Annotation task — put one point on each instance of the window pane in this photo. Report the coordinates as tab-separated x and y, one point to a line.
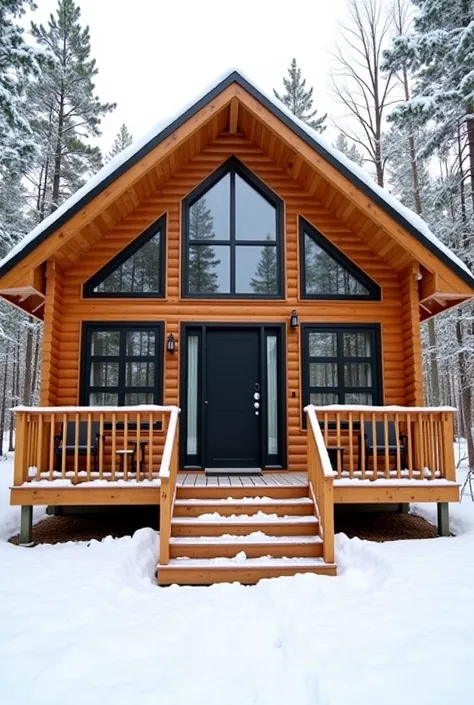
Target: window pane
140	342
104	374
209	216
323	374
256	270
134	398
103	399
140	374
323	344
272	395
209	269
105	342
139	274
358	398
326	277
193	352
357	344
323	398
255	217
358	374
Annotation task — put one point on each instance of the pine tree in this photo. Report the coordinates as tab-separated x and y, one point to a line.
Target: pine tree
202	259
17	61
66	110
123	139
350	150
299	100
439	54
265	280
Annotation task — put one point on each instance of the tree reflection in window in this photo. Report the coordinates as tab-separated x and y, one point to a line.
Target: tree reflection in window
327	273
232	238
136	271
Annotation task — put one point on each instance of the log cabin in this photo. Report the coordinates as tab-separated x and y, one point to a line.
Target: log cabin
232	320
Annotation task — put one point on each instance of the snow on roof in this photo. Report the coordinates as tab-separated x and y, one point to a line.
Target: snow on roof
132	153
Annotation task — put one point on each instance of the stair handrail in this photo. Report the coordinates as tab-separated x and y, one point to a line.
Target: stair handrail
168	475
321	482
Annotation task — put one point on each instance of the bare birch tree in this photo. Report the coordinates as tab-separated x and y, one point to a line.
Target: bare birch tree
359	83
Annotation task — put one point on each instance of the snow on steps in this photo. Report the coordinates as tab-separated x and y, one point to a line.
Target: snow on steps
195	571
254	545
217	525
245	505
242	536
246	491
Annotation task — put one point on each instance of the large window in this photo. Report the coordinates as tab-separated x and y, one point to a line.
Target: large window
232	237
341	364
122	364
326	273
137	271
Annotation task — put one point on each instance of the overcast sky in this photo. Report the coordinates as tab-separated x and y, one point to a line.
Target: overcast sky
155	56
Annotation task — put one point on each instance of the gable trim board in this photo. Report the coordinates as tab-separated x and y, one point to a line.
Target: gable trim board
369	189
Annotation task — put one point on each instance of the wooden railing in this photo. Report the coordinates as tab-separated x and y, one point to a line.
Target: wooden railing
84	444
321	483
411	443
168	476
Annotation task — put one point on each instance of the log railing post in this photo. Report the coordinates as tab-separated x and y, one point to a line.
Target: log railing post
448	467
20	473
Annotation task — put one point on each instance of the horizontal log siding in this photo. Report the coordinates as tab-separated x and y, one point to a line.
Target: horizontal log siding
412	337
173	311
51	362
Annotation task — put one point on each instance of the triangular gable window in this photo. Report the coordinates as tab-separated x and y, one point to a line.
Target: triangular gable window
327	273
137	271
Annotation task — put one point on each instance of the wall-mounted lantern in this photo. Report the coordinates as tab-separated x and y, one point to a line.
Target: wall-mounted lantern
171	343
294	320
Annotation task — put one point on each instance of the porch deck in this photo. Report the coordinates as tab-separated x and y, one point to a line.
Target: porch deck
412	461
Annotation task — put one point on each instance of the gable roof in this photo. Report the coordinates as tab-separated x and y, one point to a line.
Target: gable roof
409	220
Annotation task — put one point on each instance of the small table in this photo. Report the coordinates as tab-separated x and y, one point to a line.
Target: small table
127	453
140	461
334	452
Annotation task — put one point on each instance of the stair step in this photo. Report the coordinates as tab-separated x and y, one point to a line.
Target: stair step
244	505
277	526
195	571
254	546
222	492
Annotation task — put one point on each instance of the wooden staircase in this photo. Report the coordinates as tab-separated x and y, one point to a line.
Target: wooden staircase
242	534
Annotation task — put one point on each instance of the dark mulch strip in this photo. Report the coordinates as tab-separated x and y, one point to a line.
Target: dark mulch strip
373	526
84	527
384	526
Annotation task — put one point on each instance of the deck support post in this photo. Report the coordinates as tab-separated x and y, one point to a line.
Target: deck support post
26	525
443	518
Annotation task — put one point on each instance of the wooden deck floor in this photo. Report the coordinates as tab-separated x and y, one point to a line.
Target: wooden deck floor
267	479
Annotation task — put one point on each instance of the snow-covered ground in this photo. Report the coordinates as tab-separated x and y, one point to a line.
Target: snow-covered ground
84	624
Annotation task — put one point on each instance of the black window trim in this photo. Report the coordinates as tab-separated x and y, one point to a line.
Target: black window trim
372	287
88	327
234	166
376	360
159	225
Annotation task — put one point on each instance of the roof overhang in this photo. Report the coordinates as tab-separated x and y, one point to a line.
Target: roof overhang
445	281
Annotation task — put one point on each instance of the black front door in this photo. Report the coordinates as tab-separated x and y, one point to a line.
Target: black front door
232	391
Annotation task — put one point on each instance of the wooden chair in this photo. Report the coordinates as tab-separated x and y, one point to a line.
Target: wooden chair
367	440
69	448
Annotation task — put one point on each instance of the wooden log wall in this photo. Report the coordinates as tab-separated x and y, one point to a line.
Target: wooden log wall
51	362
401	355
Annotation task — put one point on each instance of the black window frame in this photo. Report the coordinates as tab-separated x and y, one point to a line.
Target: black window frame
374	291
375	360
234	166
88	288
89	327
